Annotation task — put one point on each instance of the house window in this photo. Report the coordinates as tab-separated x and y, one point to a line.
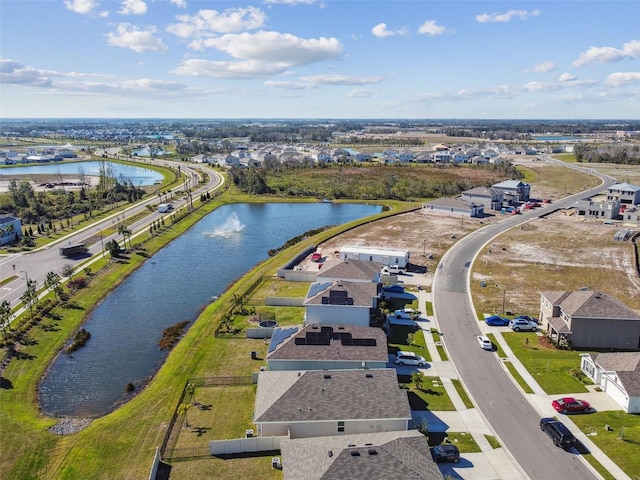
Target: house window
340	427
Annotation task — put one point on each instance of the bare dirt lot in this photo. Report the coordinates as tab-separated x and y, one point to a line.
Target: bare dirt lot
559	252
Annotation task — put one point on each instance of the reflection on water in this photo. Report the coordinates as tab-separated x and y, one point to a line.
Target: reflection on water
175	285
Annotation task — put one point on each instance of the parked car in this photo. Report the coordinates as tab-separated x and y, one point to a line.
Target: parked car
392	269
445	453
316	257
406	313
518	324
409	358
527	318
571	405
559	433
393	288
484	342
497	321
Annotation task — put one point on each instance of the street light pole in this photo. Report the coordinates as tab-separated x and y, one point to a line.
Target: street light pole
101	242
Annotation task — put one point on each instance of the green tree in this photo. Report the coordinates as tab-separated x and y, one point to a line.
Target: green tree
53	282
30	296
67	270
183	408
113	247
5	317
417	379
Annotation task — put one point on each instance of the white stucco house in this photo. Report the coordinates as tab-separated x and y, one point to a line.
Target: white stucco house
618	374
341	302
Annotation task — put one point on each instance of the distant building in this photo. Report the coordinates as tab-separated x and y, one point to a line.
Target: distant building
10	229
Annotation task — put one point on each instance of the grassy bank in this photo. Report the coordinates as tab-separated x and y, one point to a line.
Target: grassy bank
122	444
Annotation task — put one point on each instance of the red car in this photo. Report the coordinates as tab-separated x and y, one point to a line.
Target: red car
316	257
571	405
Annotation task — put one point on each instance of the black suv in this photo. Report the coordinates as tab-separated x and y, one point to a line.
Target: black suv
558	432
445	453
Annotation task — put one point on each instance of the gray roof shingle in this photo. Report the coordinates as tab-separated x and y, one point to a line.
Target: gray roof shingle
318	395
626	365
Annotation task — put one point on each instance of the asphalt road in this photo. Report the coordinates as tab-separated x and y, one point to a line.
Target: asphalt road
35	265
514	420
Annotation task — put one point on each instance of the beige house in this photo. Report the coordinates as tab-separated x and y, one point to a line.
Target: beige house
589	319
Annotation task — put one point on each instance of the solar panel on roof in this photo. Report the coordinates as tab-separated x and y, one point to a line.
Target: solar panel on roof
316	288
280	335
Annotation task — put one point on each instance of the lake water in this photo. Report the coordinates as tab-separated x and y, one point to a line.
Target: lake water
175	285
139	176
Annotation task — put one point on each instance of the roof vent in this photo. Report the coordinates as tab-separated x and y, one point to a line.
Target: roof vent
326	376
351	445
373	451
368	375
355	453
330	453
368	444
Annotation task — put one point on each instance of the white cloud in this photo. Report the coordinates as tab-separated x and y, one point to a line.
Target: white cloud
179	3
381	31
83	7
361	93
227	70
335	79
133	7
608	54
206	23
275	47
431	27
622	78
507	16
15	73
314	81
544	67
566	77
129	36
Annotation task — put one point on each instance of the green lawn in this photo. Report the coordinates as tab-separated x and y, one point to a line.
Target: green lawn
408	339
517	377
462	392
432	396
621	442
549	366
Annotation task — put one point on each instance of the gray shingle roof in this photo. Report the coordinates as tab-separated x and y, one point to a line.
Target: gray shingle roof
626	365
591	304
339	348
329	395
361	293
352	270
402	455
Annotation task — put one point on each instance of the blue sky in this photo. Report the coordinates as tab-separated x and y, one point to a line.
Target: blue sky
320	59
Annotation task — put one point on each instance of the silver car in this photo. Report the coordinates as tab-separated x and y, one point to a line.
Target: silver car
522	324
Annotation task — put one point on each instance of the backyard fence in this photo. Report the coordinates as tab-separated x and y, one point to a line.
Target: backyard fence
284	301
245	445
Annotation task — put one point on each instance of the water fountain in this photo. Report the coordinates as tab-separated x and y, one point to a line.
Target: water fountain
231	226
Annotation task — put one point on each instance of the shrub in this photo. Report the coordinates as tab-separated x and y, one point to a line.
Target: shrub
77	283
129	387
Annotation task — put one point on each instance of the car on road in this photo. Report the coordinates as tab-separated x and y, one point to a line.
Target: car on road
485	342
409	358
406	313
497	321
521	324
393	288
571	405
559	433
316	257
445	453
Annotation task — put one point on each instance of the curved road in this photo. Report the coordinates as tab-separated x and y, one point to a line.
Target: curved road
36	264
513	419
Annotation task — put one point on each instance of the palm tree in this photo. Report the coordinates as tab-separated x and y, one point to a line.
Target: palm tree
53	282
183	408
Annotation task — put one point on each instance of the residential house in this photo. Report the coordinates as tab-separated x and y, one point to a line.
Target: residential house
10	229
514	190
618	374
364	157
599	207
347	303
319	403
327	347
442	156
490	198
455	206
589	319
626	193
367	456
406	156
